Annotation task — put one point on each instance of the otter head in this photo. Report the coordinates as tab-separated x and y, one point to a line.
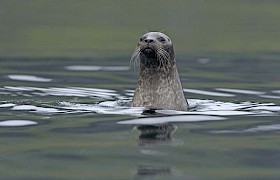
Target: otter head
155	50
159	85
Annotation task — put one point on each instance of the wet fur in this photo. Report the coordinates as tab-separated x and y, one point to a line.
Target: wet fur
159	84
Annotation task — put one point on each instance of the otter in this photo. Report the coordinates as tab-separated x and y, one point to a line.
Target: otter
159	85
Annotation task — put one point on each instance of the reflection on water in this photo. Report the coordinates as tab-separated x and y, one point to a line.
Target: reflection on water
153	170
156	134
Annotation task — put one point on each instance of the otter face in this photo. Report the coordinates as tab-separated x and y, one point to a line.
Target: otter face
155	37
155	50
152	42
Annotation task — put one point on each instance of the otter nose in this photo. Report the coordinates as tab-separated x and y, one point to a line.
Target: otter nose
149	40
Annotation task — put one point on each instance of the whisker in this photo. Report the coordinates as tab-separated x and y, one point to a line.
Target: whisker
165	53
159	58
167	56
136	61
134	57
163	57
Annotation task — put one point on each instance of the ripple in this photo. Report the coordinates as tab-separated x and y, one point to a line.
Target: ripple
203	60
111	107
129	92
209	93
40	110
264	128
276	91
96	68
214	113
269	96
67	91
241	91
29	78
204	106
169	119
269	107
10	123
122	105
7	105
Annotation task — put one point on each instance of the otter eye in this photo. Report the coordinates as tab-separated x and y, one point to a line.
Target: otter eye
161	39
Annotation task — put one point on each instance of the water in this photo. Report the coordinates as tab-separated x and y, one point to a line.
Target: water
69	118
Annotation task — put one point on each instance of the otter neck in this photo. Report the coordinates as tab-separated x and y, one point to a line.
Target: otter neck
159	87
152	70
153	65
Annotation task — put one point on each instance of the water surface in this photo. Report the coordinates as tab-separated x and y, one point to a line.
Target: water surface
69	118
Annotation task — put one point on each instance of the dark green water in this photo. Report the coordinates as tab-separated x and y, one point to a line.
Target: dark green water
64	69
88	143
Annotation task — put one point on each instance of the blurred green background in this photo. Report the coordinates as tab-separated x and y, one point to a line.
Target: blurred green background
112	28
